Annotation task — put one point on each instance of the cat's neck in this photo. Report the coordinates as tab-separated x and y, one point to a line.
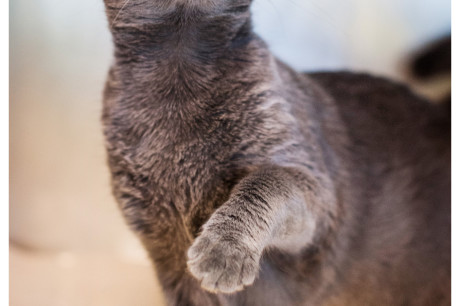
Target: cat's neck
184	55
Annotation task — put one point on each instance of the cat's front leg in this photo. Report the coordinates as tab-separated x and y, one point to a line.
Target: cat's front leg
274	206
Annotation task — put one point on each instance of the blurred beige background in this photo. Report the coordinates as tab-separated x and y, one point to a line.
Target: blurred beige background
68	242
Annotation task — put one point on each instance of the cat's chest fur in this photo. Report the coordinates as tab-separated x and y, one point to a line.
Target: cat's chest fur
166	153
189	159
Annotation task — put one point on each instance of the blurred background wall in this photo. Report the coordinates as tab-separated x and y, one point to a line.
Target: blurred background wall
68	242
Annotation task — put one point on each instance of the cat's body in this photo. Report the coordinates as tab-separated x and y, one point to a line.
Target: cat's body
332	189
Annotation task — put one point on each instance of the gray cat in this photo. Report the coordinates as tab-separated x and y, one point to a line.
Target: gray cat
251	184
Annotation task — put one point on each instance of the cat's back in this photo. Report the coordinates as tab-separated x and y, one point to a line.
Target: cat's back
387	123
376	109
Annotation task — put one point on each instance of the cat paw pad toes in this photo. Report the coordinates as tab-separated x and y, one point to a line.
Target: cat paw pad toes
222	265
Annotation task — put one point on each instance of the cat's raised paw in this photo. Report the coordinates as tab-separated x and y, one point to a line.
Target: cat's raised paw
222	264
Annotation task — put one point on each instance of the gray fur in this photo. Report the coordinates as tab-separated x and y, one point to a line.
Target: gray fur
242	176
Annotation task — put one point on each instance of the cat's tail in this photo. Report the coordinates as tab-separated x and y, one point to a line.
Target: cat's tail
432	66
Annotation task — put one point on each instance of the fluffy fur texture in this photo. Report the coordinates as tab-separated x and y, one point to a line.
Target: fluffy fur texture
242	176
